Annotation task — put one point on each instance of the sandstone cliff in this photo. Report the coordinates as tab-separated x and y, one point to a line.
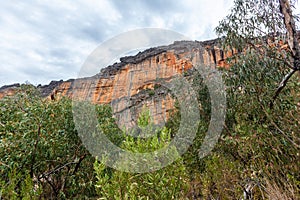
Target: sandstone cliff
136	80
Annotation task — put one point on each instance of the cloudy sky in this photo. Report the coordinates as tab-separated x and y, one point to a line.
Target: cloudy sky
43	40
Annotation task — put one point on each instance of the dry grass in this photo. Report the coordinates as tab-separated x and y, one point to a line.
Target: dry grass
274	192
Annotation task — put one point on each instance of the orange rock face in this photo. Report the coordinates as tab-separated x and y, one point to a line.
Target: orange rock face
134	83
133	79
7	92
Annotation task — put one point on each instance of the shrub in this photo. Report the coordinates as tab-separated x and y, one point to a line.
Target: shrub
39	147
166	183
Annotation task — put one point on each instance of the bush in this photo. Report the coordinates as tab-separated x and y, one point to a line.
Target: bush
39	148
264	141
166	183
259	146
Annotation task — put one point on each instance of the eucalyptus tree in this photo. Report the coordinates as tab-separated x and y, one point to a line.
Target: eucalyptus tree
263	96
268	30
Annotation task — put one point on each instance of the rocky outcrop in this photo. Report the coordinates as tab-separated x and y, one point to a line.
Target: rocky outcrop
8	90
138	81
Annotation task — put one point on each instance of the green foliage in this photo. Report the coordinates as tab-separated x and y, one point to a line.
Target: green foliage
42	157
259	148
221	178
191	157
39	141
108	125
144	118
28	189
151	92
264	141
166	183
251	21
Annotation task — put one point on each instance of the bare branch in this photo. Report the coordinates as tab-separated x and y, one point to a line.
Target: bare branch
45	175
78	163
282	85
286	11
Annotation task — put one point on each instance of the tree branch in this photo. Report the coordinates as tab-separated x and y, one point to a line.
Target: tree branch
78	163
286	11
281	86
45	175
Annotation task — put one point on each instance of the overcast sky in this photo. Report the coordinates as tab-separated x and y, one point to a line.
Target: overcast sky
46	40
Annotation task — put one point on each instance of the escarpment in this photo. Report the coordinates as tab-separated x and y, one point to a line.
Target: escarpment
138	81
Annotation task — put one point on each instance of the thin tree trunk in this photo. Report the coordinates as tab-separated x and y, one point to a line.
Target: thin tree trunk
289	22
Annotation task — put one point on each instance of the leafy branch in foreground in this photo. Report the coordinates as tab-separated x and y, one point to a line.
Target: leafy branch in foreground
40	146
170	182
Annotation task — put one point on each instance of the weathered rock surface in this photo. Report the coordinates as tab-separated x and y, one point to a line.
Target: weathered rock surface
137	81
8	90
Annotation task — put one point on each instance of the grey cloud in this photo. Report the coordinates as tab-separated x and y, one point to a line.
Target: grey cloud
45	40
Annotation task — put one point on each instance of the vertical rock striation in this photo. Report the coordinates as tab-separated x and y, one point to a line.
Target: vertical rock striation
138	81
